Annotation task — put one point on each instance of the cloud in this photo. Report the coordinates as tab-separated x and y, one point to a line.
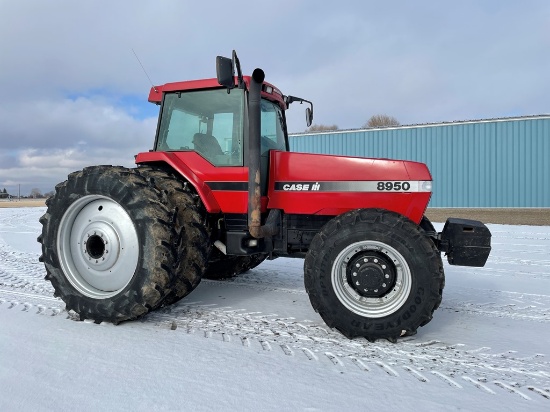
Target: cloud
74	94
43	141
61	123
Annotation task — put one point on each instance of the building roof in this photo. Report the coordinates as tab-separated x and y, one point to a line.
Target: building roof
409	126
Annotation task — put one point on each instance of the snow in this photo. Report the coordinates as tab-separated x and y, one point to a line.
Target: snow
255	343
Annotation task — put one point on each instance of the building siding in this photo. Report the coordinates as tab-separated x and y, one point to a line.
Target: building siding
485	163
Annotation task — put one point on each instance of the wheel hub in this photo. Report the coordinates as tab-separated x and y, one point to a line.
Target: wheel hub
371	274
95	246
98	246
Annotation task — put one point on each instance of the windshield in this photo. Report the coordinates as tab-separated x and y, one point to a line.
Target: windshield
209	122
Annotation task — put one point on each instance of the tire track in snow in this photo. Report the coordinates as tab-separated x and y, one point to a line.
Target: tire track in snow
500	304
426	362
477	368
22	271
314	342
32	303
17	218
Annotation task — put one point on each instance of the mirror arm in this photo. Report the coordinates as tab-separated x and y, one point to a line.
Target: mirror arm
237	64
292	99
309	112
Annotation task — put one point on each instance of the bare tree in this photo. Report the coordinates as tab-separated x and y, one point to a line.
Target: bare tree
381	120
36	193
322	128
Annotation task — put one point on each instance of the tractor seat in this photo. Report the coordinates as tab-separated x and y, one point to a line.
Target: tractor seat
207	145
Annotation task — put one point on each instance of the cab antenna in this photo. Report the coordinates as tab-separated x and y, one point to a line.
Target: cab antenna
145	71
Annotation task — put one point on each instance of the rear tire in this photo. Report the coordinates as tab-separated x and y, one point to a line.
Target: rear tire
373	273
192	240
107	244
222	267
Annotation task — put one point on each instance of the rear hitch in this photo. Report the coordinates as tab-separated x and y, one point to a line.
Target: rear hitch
465	242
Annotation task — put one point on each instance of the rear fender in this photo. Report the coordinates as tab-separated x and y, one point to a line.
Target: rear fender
179	167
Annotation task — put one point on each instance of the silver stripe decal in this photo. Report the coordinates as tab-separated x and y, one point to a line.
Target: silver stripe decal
379	186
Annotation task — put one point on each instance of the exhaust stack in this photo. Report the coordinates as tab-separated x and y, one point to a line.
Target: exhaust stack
254	130
226	77
254	176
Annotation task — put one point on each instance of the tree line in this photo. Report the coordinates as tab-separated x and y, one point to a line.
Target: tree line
378	120
34	194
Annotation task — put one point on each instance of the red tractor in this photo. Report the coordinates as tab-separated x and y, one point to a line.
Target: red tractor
220	192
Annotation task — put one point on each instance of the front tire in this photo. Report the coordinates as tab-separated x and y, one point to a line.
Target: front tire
107	244
373	273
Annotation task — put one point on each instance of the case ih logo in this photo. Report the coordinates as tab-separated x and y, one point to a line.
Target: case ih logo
303	187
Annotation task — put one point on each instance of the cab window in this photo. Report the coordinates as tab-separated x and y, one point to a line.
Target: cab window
209	122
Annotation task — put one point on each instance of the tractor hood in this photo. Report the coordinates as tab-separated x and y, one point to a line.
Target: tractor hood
304	183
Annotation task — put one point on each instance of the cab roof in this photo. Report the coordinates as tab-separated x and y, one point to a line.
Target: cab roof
269	91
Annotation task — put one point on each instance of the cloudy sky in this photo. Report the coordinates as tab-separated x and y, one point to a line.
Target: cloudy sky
73	93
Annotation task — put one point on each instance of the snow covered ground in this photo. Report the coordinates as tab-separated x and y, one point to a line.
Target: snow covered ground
255	343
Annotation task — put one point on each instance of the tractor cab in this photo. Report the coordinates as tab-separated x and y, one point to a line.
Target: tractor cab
216	119
213	123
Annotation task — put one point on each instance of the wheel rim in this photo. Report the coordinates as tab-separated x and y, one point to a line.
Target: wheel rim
98	246
387	283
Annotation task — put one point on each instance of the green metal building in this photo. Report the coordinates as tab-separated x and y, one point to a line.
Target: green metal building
482	163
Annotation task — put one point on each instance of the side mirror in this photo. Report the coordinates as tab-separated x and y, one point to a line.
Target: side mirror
225	72
309	116
309	110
